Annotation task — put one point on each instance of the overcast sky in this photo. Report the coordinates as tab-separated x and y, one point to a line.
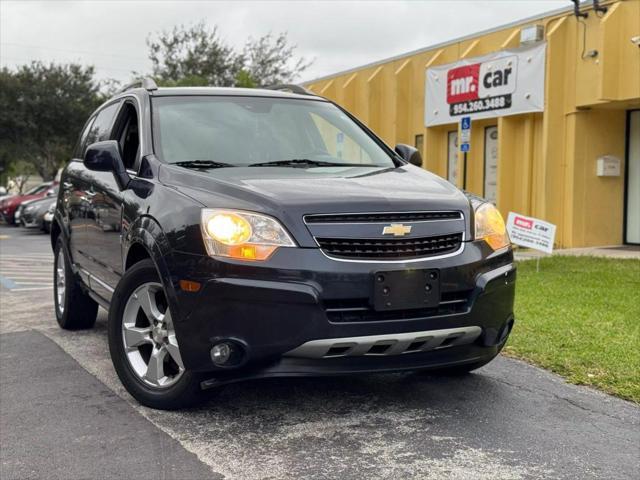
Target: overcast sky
338	35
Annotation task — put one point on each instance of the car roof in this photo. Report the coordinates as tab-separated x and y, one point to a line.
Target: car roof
220	91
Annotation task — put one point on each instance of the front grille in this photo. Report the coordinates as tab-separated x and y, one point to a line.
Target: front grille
358	310
382	217
26	217
394	249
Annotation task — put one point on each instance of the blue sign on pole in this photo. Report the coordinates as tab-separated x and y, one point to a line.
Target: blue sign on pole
465	134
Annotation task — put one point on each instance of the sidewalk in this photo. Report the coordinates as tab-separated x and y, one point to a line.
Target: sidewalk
613	251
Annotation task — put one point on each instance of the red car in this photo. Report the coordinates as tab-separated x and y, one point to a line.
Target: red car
9	205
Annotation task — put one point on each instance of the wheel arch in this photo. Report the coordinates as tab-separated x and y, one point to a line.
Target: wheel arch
145	239
56	231
137	252
59	229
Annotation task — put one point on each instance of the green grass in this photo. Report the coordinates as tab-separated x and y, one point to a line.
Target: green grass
580	317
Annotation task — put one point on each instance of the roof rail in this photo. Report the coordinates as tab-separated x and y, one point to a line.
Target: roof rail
147	83
291	88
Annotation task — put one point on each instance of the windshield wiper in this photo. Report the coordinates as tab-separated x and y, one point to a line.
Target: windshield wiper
306	162
202	164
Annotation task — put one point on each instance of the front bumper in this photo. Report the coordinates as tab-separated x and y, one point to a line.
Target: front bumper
8	213
300	297
30	220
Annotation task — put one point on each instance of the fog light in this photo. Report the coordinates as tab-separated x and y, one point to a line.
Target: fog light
221	353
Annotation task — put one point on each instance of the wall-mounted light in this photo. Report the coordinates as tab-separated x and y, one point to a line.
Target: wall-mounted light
531	34
598	8
576	10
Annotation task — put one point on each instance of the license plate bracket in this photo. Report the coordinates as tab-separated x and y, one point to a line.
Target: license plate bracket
406	289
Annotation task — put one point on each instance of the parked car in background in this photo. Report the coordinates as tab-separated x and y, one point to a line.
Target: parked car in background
48	218
18	213
3	192
32	212
9	205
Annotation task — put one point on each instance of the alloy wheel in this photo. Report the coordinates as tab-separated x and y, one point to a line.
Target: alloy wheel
60	281
149	337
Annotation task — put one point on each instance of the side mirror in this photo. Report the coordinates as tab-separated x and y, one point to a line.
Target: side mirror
410	154
105	157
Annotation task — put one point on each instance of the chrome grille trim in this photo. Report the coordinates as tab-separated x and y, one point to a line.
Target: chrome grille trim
391	217
406	260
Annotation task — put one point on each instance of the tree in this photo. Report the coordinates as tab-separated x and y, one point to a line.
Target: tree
20	172
42	110
185	56
196	55
269	60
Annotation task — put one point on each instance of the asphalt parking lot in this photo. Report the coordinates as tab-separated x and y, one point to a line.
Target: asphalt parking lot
63	413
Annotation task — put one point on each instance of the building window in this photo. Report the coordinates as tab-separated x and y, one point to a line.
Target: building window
419	143
491	164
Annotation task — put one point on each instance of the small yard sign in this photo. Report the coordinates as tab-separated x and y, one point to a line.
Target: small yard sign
531	232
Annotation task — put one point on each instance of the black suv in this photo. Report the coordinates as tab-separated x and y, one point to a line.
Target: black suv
237	234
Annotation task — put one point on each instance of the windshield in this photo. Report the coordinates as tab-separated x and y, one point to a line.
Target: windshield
244	131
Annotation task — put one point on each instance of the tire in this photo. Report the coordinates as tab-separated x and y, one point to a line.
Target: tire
149	365
75	310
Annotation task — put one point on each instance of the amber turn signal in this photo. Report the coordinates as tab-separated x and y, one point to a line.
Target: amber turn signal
190	286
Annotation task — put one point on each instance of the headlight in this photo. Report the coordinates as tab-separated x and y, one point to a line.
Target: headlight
490	226
242	235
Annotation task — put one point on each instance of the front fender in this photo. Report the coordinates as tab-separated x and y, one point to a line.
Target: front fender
62	230
146	232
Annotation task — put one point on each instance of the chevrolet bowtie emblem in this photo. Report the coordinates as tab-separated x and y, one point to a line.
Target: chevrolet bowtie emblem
396	229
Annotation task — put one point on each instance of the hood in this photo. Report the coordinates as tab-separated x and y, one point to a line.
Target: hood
317	190
291	193
39	203
18	199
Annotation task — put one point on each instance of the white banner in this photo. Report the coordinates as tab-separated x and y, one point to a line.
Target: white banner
530	232
501	83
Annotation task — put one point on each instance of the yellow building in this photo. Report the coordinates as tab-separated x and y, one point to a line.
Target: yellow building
574	163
